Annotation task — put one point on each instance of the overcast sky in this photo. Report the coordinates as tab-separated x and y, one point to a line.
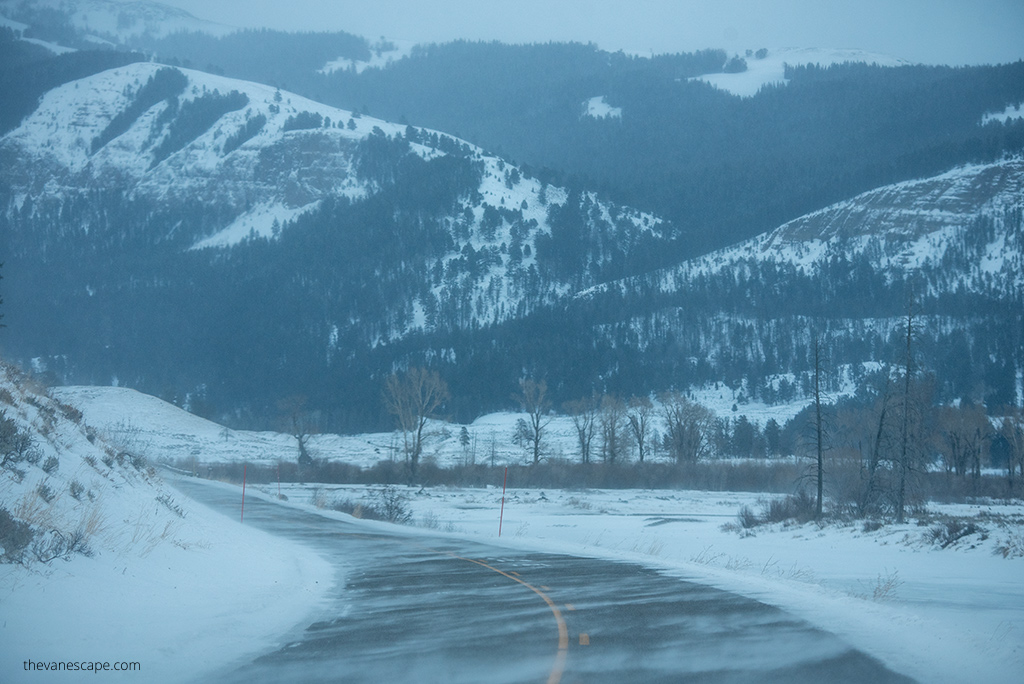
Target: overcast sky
929	31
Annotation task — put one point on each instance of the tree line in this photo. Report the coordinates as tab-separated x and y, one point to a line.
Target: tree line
869	456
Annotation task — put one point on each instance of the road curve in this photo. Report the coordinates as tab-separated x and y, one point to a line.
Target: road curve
431	609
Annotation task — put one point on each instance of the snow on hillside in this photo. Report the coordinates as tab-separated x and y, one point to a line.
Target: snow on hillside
906	226
70	117
282	171
122	20
1009	114
598	108
382	54
165	433
120	567
771	69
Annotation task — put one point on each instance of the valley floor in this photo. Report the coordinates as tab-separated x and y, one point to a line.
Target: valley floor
222	591
951	614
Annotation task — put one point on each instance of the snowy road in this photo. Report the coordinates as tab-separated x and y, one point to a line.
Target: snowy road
415	608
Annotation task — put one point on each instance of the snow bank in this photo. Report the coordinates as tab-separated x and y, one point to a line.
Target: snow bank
165	583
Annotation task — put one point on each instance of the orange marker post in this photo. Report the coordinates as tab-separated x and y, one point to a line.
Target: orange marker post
242	518
501	517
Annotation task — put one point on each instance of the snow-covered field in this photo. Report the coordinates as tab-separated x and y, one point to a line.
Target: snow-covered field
164	433
937	614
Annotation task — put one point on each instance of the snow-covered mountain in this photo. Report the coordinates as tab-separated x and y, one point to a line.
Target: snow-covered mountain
274	174
960	229
112	20
227	242
155	175
949	248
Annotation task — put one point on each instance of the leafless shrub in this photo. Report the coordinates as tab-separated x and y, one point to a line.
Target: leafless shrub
45	492
953	530
173	507
393	505
51	465
55	544
430	521
872	525
15	537
1011	547
70	412
581	504
799	508
886	586
357	509
747	518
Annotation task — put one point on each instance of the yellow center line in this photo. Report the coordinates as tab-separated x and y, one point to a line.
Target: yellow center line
563	632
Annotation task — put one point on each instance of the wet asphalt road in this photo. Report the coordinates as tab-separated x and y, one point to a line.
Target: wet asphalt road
422	609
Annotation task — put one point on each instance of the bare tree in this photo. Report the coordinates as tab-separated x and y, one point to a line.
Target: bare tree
413	398
1012	430
583	413
879	445
299	423
907	410
819	430
532	397
964	438
640	411
612	422
689	427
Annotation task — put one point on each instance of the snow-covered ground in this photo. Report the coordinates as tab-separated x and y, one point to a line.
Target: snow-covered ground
936	614
164	433
771	69
165	583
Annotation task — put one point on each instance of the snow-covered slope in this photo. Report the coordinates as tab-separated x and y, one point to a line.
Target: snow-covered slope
961	225
771	68
102	561
117	20
53	148
261	166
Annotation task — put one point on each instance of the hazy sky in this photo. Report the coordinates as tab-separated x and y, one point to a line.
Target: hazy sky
930	31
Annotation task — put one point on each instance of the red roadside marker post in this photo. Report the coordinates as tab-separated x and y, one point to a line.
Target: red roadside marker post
242	518
501	517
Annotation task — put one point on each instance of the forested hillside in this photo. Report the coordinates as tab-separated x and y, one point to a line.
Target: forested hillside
721	167
229	244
